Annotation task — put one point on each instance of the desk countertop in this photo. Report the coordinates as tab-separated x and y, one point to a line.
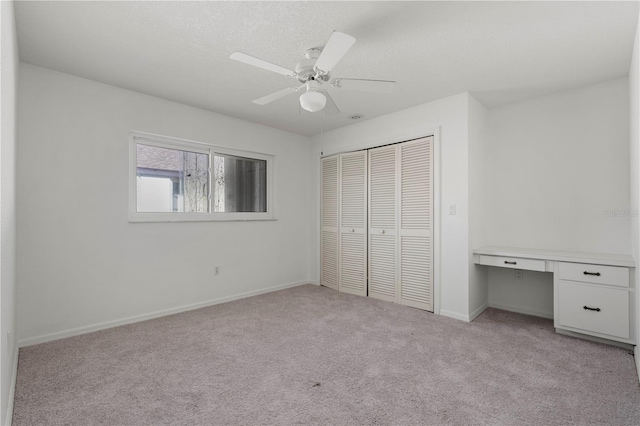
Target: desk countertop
559	255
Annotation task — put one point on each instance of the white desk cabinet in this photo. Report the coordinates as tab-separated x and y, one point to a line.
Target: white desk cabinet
594	293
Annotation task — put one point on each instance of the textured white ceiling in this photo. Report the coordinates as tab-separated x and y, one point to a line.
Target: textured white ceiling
502	52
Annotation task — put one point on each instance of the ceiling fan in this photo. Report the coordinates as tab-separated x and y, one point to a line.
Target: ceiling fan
314	72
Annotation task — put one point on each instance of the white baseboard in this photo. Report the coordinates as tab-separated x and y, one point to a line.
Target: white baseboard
478	311
623	345
525	311
144	317
12	389
454	315
463	317
636	355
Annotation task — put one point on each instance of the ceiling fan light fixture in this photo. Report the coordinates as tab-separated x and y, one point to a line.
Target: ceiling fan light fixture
313	101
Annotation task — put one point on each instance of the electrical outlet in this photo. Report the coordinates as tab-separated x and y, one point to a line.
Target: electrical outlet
216	270
9	341
452	209
518	274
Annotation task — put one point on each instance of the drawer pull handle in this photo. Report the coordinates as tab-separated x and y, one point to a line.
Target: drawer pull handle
597	274
510	263
585	307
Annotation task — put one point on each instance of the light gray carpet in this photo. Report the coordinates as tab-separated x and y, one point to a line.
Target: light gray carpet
310	355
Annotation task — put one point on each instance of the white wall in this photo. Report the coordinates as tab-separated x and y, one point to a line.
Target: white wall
82	265
8	87
556	164
450	116
478	208
634	143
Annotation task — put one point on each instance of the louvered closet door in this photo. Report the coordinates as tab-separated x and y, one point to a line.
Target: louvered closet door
329	217
382	223
416	223
353	223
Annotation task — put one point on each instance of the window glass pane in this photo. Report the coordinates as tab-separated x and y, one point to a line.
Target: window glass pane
239	184
171	180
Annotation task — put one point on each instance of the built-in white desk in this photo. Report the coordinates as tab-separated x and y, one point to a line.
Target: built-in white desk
593	293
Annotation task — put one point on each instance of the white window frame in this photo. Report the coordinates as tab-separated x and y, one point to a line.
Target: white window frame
167	142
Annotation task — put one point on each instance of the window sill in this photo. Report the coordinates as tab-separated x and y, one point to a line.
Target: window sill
161	218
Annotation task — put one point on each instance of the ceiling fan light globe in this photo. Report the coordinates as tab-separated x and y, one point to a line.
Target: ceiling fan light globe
313	101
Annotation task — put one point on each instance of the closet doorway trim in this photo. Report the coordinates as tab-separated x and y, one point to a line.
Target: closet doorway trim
437	204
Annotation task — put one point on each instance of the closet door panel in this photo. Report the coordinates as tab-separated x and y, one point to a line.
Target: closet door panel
354	190
353	273
353	223
416	213
329	271
382	194
415	272
382	220
416	194
382	267
329	256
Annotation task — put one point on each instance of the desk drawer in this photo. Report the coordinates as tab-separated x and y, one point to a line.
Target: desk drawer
513	263
595	274
595	309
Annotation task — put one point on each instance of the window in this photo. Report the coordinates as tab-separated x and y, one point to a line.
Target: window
171	180
239	184
177	180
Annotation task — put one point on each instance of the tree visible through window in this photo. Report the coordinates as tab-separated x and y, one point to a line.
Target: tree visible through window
218	183
240	184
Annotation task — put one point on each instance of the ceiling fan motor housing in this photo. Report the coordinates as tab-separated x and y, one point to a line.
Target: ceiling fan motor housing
304	69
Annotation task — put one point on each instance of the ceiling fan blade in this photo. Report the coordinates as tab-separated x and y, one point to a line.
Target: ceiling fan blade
257	62
276	95
337	46
330	108
379	86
